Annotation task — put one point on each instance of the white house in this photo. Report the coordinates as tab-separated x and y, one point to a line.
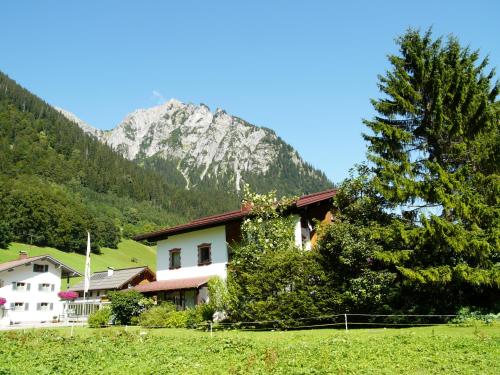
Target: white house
30	285
189	255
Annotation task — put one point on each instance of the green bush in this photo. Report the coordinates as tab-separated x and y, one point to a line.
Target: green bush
199	314
99	318
166	316
467	317
157	316
126	304
177	319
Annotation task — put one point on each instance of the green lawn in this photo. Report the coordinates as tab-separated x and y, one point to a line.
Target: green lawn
118	258
428	350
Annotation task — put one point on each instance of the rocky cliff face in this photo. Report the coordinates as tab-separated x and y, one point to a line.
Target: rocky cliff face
210	147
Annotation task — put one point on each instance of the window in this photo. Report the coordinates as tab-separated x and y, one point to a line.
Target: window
204	254
40	267
175	259
19	306
46	287
44	306
20	286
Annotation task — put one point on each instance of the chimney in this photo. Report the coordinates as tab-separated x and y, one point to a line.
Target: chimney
110	271
23	255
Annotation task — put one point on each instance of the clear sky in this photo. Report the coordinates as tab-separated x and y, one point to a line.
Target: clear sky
306	69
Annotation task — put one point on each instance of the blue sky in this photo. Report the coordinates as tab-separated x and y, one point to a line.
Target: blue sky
306	69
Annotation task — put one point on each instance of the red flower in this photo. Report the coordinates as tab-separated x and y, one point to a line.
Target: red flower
68	295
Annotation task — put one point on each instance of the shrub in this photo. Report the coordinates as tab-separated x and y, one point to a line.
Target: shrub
125	305
2	301
219	296
198	314
100	318
467	317
177	319
157	316
166	316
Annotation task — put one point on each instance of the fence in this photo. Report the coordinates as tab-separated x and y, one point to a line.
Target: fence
81	310
342	321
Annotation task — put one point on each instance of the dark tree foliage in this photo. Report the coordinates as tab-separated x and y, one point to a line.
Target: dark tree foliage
269	277
46	214
434	147
355	281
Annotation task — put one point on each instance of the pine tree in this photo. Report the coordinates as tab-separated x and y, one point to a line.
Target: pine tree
434	148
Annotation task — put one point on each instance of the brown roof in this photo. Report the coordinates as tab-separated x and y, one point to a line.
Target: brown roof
156	286
19	262
215	220
306	200
120	278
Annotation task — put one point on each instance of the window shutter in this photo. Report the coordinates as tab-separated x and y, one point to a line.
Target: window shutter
46	268
51	306
53	287
26	305
38	306
14	285
40	286
28	286
12	306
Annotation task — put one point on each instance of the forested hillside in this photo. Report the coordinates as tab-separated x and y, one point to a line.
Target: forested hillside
56	182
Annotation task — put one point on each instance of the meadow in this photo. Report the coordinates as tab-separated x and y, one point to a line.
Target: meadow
117	350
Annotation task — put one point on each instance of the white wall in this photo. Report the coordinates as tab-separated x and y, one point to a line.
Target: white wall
188	243
24	273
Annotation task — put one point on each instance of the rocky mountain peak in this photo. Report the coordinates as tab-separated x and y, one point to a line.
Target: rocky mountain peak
204	145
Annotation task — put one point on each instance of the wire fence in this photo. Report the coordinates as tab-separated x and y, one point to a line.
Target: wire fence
345	322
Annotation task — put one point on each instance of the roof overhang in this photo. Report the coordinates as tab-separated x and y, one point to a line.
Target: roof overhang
170	285
70	272
228	217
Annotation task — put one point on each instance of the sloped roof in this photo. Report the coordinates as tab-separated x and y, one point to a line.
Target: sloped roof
211	221
100	280
19	262
164	285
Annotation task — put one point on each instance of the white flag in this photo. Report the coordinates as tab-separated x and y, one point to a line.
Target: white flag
87	266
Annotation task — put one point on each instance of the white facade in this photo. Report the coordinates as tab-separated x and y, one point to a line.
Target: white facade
188	244
31	296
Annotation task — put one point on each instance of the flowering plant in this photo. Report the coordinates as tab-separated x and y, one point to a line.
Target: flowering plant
68	295
2	301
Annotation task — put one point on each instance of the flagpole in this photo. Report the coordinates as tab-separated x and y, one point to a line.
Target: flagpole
87	275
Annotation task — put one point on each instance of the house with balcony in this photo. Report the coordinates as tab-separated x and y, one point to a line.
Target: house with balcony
30	286
103	282
189	255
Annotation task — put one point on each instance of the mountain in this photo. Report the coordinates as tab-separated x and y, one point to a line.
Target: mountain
205	148
57	182
60	178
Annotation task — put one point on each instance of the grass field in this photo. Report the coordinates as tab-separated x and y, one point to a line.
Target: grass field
428	350
118	258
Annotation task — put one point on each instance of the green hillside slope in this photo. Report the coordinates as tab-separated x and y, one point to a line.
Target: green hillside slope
128	254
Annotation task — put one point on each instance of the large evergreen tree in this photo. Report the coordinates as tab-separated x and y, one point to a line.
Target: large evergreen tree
434	147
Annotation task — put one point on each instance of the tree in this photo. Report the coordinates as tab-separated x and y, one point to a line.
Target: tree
434	148
269	277
355	281
127	305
